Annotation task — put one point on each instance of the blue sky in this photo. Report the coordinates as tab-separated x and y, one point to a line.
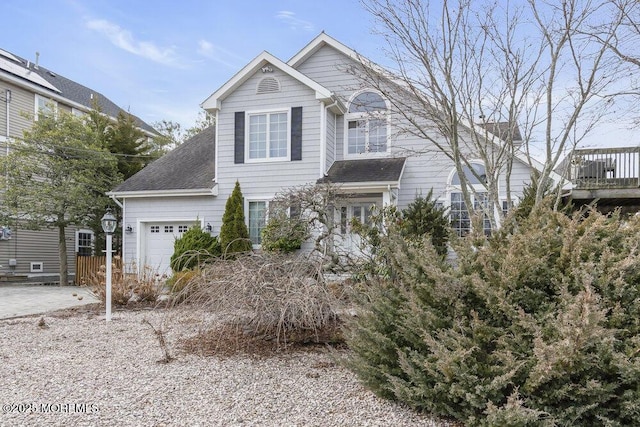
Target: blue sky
161	59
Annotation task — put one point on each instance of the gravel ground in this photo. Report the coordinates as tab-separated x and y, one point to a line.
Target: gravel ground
78	370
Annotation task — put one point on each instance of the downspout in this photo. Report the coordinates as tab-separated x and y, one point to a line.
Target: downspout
7	99
323	137
117	202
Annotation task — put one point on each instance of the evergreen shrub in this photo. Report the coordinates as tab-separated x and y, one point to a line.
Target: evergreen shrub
234	235
283	234
536	325
193	248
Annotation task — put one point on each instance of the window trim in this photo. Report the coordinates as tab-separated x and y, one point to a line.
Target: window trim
93	240
475	190
247	203
247	130
380	115
37	109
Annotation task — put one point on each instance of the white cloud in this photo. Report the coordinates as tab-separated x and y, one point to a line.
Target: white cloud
293	22
218	54
205	48
123	39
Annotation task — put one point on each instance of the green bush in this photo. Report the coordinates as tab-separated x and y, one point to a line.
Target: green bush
537	326
424	216
283	234
423	220
193	248
234	236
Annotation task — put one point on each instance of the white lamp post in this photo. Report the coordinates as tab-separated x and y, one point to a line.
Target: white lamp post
109	226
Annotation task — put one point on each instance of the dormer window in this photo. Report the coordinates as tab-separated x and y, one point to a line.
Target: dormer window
367	124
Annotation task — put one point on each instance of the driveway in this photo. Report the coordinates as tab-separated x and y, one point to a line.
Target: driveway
23	300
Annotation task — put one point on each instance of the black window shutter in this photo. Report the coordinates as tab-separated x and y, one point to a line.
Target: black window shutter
239	138
296	133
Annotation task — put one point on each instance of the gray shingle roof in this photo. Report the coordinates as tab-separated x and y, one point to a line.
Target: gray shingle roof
365	170
78	93
190	166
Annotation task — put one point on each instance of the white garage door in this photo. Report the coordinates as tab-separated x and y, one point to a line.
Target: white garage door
159	241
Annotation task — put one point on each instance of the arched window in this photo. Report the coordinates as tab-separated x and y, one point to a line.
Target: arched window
459	213
367	124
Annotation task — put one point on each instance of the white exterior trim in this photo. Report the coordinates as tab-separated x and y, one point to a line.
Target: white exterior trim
323	139
247	133
164	193
214	101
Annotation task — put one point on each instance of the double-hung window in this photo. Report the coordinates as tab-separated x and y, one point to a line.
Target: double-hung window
268	136
367	124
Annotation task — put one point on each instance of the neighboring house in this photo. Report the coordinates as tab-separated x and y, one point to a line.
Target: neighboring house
284	124
27	87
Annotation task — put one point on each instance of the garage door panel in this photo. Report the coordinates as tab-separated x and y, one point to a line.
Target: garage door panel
159	244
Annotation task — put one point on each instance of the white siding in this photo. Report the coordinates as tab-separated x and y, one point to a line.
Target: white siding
262	180
327	66
206	209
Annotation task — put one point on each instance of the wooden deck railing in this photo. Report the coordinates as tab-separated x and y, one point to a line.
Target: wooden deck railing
88	266
603	168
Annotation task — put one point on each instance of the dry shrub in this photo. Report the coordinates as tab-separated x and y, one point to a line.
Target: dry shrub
267	297
146	286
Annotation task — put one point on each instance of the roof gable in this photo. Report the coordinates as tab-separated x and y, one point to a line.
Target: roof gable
214	101
323	39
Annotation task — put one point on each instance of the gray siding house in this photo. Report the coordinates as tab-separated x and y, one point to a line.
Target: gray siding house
27	87
279	125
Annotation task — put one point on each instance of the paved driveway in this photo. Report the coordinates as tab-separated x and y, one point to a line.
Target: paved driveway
22	300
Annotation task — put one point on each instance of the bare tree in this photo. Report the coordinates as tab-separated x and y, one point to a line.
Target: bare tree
471	77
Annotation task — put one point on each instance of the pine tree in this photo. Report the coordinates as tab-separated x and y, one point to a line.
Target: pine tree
234	236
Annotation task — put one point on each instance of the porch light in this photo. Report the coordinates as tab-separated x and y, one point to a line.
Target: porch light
109	226
109	222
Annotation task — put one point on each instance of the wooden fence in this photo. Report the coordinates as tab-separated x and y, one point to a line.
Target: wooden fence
88	266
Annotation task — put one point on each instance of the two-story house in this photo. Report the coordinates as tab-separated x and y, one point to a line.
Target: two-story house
26	89
284	124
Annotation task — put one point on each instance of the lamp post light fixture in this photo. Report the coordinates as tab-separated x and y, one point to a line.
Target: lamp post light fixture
109	223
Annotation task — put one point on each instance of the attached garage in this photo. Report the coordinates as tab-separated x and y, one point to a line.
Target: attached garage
157	243
167	197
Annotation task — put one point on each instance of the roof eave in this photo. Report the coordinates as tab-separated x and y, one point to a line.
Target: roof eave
368	185
165	193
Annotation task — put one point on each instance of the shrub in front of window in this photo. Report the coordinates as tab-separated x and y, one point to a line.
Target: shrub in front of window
536	326
284	234
234	235
424	216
